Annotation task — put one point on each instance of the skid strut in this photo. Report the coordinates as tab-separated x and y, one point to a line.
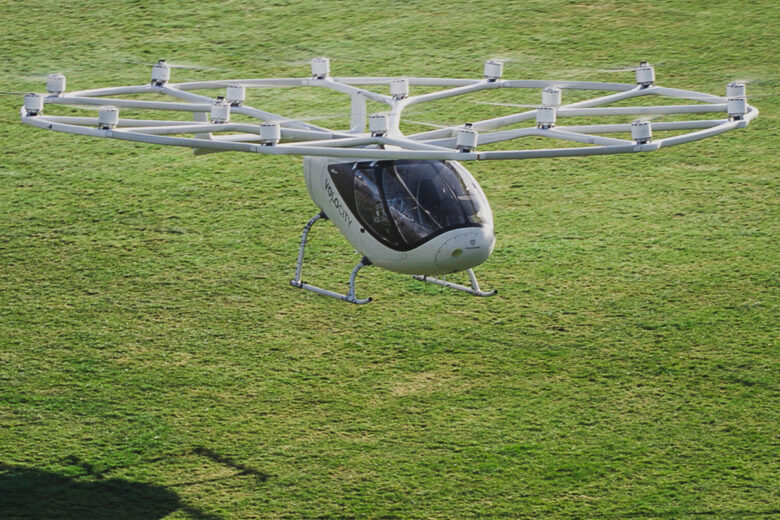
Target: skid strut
474	289
296	282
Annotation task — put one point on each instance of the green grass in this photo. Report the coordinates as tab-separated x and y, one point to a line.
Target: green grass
155	363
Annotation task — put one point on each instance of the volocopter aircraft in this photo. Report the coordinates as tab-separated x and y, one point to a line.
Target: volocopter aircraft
404	202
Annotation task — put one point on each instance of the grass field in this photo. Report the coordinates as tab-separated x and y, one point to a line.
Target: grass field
155	363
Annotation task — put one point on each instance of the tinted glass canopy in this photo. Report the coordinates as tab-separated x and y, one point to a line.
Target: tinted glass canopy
405	203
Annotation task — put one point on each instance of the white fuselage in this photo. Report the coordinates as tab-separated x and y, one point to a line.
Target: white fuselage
448	251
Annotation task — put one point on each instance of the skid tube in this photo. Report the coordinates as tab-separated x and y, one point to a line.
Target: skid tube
474	289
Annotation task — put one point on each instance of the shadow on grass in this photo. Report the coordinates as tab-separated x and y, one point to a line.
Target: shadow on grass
27	493
242	469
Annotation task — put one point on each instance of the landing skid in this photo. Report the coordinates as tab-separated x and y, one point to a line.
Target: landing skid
474	289
350	296
296	282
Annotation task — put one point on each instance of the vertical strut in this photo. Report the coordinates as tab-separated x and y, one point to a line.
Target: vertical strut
296	282
351	294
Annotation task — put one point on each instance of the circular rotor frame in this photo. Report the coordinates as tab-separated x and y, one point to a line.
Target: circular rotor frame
385	141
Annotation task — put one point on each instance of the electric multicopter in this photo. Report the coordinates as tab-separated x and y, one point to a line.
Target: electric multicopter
406	203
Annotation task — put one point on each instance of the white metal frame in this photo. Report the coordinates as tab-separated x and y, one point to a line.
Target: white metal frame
297	282
385	140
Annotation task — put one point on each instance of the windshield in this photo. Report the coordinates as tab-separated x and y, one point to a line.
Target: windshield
404	203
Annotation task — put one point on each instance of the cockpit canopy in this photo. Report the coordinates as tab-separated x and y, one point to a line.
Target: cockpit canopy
405	203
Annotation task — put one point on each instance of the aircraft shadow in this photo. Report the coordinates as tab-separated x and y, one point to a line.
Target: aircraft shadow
30	493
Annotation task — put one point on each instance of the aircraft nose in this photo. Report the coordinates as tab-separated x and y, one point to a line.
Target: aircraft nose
465	249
